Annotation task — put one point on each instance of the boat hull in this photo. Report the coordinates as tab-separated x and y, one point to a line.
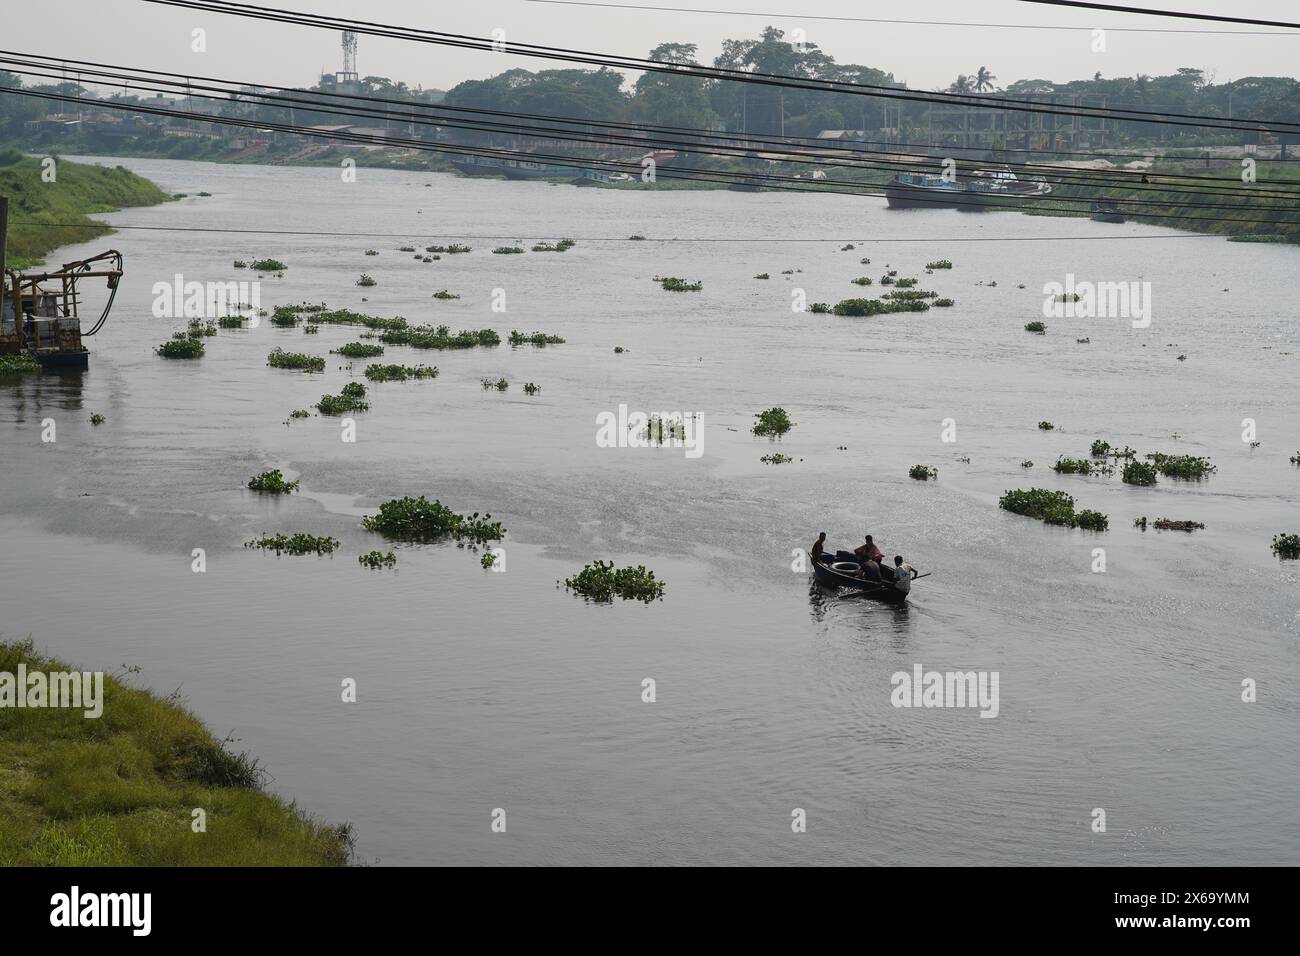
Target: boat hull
883	591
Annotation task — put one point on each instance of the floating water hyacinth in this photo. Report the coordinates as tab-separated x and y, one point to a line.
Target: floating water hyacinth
939	264
1051	507
1138	473
420	519
231	321
674	284
499	384
776	458
425	337
531	389
399	373
299	544
1286	545
272	482
1186	467
564	245
378	559
366	280
536	338
507	251
279	358
922	472
1036	327
97	419
601	582
772	423
181	348
1046	426
358	350
268	265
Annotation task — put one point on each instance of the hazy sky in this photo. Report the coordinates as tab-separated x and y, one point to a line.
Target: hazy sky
139	34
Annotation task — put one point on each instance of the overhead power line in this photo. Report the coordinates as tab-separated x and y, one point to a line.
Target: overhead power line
801	15
1177	14
771	181
720	73
147	81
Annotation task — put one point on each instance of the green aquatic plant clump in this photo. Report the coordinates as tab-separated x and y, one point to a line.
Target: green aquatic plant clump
943	303
772	423
564	245
445	295
1046	426
500	384
857	308
531	388
674	284
378	559
272	482
97	419
507	251
923	472
1082	466
861	280
1036	327
366	280
358	350
1100	449
776	458
300	543
1186	467
1138	473
232	321
425	337
1051	507
348	400
939	264
601	582
419	519
20	363
1286	546
299	361
399	373
182	348
536	338
268	265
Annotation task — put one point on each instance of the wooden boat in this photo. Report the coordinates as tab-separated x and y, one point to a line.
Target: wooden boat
842	574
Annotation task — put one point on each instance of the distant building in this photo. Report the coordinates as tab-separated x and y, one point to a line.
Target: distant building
843	134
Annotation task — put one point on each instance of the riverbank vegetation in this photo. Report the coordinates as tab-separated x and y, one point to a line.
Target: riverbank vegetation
122	790
44	216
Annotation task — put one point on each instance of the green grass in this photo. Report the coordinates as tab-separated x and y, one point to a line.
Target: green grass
44	216
120	790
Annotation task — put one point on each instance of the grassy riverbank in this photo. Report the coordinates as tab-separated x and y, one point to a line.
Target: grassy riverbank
46	215
121	790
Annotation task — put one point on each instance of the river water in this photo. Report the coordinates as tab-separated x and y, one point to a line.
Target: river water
478	691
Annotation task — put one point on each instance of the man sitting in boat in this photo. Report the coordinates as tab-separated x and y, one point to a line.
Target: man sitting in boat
818	546
870	570
903	574
869	550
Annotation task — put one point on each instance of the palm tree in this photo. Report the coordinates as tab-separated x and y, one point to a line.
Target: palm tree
983	80
960	85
